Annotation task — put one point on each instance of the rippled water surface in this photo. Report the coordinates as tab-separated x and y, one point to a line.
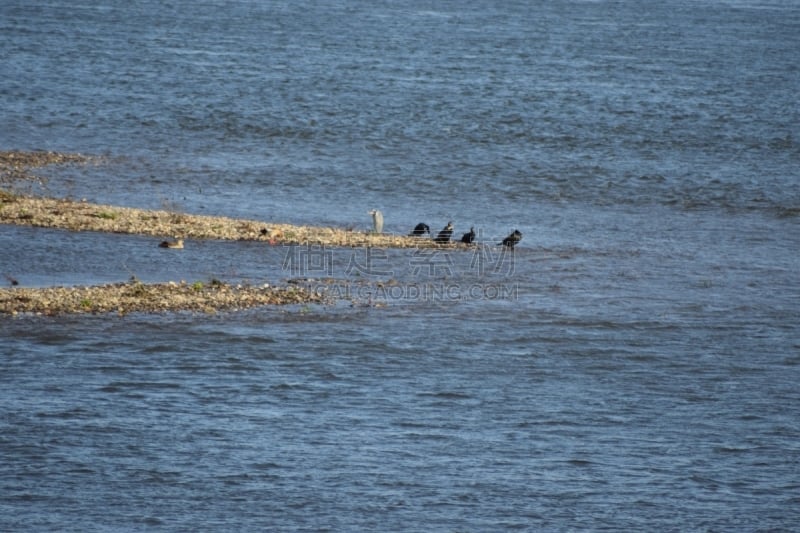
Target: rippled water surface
632	365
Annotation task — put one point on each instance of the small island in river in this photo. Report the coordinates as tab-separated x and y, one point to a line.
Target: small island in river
134	296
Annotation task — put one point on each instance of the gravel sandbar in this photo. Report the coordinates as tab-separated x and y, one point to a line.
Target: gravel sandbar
135	296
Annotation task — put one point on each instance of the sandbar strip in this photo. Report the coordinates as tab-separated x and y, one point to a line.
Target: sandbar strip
135	296
85	216
29	210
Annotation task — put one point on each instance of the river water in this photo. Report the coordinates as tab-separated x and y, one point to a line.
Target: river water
632	365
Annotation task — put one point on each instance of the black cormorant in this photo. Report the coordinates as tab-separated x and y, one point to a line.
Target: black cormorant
512	239
445	234
468	238
421	229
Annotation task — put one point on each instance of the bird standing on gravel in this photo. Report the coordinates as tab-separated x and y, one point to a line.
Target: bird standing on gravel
445	234
469	238
377	221
421	229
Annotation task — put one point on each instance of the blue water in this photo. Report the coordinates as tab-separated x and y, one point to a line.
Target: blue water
632	365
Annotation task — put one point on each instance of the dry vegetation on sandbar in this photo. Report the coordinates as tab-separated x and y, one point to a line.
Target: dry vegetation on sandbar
134	296
83	216
74	215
